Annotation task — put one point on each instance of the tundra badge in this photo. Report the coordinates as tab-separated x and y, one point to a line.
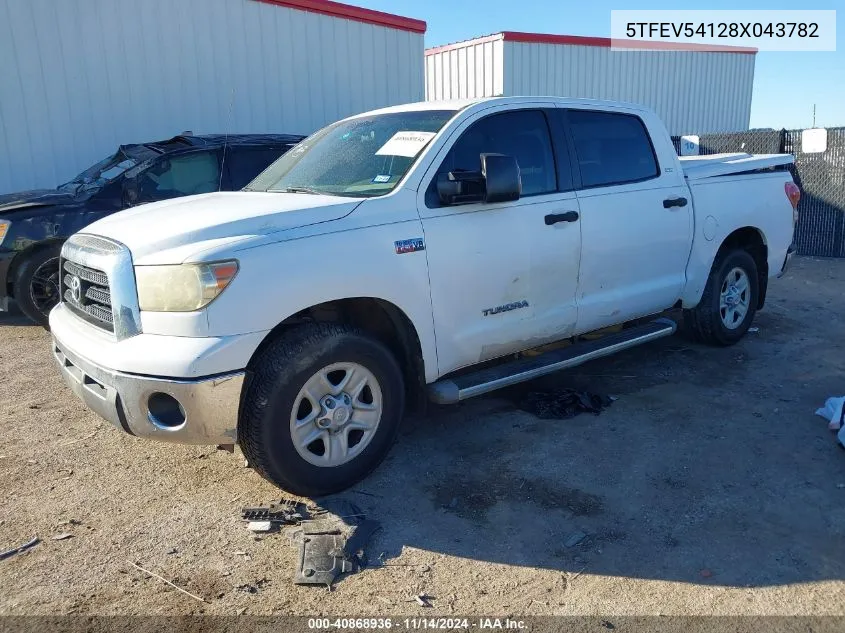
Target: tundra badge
505	308
409	246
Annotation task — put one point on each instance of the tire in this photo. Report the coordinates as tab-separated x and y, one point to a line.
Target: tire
36	286
714	322
276	403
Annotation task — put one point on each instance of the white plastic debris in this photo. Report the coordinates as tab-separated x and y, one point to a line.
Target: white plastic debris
259	526
834	412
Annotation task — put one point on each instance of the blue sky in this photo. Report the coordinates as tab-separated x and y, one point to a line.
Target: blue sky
786	84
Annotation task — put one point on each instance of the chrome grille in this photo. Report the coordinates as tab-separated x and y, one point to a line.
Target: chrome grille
87	274
92	301
96	243
98	295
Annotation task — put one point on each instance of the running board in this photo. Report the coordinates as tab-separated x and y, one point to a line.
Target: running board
451	390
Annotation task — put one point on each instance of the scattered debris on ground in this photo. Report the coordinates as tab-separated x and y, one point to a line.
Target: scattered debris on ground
63	536
564	403
270	518
254	587
333	543
21	548
167	582
423	600
834	412
259	526
331	537
286	512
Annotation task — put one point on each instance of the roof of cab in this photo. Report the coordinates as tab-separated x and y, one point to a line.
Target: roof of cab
460	104
212	140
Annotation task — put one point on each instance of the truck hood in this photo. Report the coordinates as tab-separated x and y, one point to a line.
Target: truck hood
183	226
10	202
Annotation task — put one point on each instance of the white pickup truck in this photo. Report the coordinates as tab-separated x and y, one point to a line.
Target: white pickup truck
414	249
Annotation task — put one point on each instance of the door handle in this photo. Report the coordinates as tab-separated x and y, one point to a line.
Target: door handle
668	203
554	218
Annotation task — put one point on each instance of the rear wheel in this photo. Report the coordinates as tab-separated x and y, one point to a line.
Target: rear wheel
322	410
36	285
729	301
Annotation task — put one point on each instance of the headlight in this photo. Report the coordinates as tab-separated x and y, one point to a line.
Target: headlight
182	288
4	228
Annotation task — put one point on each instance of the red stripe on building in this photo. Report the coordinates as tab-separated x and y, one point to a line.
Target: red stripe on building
606	42
349	12
601	42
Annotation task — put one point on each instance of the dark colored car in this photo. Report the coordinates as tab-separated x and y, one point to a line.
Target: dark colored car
34	224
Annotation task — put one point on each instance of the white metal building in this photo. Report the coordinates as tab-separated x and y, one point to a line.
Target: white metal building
77	79
694	92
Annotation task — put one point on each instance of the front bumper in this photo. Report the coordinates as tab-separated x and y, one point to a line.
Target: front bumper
790	253
5	263
208	406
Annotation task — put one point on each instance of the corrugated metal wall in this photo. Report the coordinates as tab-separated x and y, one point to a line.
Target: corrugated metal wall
702	91
80	78
471	71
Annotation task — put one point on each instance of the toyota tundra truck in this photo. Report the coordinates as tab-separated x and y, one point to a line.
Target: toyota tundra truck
417	249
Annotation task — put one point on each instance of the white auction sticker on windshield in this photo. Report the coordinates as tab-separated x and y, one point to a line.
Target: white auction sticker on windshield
405	143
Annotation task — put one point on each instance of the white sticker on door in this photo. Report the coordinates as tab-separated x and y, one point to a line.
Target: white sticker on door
405	143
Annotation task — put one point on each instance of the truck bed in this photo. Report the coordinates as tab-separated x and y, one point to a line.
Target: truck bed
712	165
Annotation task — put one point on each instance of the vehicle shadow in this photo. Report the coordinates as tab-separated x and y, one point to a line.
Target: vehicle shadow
14	317
709	468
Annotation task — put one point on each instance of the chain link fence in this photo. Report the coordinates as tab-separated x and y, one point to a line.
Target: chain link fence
820	175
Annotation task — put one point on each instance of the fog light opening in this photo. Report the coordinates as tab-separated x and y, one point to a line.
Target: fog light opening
165	412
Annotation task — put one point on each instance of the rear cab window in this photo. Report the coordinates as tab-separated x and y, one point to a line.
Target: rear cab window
245	163
612	148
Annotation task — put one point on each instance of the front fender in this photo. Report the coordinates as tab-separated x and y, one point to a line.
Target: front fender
276	281
33	228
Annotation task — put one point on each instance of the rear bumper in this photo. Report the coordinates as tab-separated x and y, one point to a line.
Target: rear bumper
790	253
209	406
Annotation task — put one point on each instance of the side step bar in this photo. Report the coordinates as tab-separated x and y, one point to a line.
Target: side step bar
451	390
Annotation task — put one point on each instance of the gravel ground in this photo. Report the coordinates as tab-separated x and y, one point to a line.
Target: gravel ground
708	487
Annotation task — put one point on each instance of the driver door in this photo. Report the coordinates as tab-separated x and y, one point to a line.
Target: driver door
503	276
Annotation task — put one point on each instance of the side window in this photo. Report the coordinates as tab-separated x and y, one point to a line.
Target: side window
245	163
180	176
523	134
612	148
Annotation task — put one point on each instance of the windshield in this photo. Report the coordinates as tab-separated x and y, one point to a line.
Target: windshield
362	157
101	173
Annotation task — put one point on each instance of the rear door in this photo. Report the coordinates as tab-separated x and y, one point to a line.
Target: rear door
503	275
636	219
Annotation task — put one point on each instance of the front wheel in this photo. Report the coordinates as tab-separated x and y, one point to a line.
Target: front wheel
322	409
36	285
729	301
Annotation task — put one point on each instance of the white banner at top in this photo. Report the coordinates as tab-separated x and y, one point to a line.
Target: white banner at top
729	31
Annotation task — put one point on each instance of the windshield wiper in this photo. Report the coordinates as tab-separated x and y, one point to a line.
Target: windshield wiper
303	190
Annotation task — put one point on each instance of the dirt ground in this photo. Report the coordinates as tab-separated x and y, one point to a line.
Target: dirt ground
708	487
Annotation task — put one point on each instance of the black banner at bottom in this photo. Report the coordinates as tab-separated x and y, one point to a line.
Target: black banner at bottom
327	624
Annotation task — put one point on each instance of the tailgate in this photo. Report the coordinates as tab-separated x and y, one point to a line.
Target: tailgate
698	167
